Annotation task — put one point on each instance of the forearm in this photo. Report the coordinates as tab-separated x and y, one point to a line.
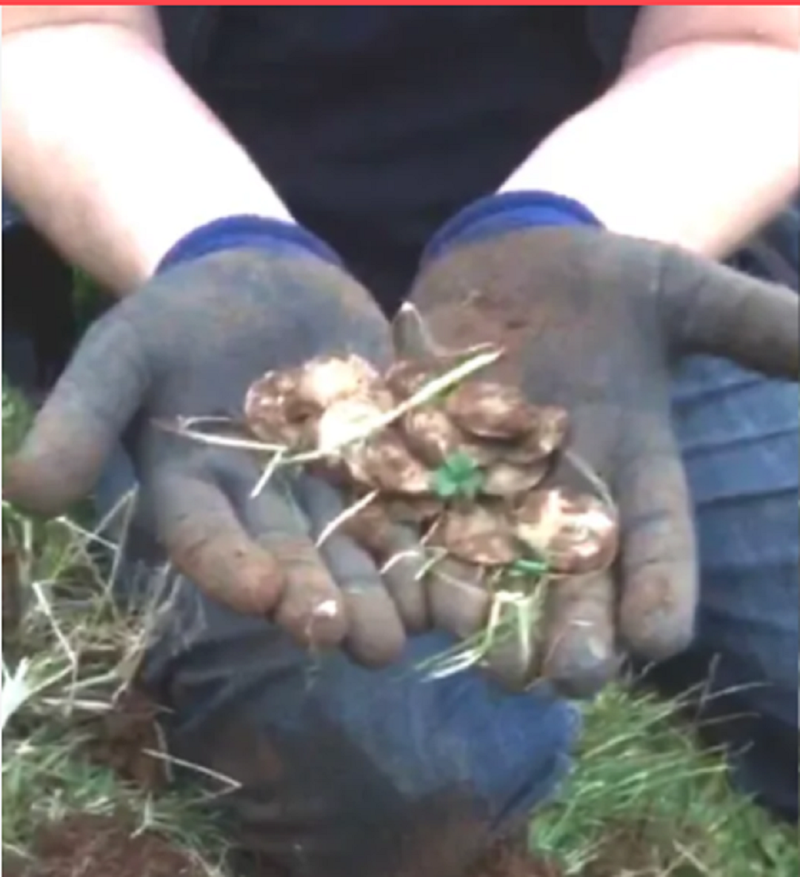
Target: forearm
110	154
698	145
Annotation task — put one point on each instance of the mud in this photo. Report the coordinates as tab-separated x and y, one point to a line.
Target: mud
95	846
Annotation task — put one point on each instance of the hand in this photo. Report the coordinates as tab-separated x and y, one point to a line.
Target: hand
593	322
189	342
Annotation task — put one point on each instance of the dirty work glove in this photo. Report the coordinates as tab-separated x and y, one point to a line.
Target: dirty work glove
230	301
594	321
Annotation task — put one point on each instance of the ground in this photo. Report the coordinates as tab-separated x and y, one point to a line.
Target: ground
91	846
85	783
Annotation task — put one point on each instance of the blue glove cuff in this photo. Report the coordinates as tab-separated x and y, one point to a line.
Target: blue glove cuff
246	232
512	211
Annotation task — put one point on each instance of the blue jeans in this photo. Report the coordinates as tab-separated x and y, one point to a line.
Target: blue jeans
343	771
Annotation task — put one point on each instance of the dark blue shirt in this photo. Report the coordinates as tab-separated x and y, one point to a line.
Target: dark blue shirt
377	124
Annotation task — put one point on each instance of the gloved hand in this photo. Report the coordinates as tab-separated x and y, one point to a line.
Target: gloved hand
593	322
230	301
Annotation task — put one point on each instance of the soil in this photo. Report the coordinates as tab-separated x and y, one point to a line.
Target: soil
509	861
122	738
100	846
637	847
85	845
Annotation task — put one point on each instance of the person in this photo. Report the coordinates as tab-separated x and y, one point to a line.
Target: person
257	186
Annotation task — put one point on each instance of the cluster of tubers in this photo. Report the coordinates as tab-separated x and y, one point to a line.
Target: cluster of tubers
467	465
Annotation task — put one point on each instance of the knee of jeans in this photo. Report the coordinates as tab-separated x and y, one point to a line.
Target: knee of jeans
739	435
247	702
748	627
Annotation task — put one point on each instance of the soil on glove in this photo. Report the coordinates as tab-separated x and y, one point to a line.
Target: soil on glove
101	846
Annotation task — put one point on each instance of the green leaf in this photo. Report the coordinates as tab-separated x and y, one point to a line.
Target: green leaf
523	567
460	465
443	484
459	475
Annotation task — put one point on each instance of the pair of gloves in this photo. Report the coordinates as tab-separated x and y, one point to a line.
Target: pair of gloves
592	321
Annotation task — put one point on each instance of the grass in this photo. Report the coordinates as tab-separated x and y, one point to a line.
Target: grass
642	801
68	653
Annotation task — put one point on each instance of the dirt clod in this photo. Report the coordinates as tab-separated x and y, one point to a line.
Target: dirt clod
102	846
123	738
